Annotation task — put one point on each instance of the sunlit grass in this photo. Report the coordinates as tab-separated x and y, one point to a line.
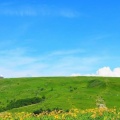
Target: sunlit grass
78	92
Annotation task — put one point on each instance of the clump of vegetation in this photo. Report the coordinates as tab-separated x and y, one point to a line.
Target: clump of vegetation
71	89
47	110
96	83
23	102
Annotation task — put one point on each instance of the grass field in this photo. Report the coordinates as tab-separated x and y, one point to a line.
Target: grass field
61	93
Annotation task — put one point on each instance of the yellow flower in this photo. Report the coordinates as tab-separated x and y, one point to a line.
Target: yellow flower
93	116
56	116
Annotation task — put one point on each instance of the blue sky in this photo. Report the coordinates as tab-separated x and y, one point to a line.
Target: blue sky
58	37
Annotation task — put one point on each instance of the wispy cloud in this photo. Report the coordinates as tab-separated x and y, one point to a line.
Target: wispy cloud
11	9
16	63
67	52
20	11
69	13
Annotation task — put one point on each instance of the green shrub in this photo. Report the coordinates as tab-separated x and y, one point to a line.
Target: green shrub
24	102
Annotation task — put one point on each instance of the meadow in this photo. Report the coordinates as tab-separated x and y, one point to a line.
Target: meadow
39	96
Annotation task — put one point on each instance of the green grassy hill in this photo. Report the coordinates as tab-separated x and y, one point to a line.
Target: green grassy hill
32	94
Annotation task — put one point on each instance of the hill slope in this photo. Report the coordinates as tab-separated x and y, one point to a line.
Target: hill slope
31	94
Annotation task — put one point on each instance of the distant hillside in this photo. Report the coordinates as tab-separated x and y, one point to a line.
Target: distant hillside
48	93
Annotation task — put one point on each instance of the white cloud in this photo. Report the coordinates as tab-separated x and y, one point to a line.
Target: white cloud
105	72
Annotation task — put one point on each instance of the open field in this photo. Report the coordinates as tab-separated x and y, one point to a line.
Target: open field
58	93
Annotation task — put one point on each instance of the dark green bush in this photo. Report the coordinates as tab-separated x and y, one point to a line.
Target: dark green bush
38	111
48	110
